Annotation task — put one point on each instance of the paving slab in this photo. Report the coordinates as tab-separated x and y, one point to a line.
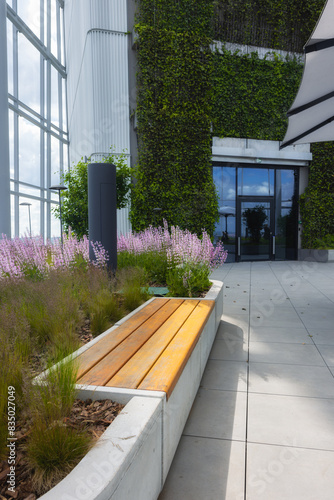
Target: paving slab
218	414
288	473
287	353
229	351
277	420
227	376
293	335
236	331
321	336
327	352
206	469
291	380
262	423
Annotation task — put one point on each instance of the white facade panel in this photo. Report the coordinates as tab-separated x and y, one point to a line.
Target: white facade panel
109	14
98	88
111	94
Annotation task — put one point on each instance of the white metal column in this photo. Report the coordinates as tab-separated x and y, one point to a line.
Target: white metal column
4	136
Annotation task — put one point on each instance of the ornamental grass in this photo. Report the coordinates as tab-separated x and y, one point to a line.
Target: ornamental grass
48	296
48	293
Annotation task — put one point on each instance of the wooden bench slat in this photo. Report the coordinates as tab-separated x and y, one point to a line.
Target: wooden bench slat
165	373
98	351
135	370
102	372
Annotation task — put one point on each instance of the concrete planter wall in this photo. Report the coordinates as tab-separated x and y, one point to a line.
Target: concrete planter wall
132	458
314	255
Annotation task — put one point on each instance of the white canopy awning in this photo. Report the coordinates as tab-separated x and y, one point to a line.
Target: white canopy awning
311	117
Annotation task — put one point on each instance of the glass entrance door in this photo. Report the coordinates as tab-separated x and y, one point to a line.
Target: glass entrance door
255	223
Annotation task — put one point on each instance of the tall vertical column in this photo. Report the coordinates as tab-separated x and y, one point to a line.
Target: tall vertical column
102	220
5	224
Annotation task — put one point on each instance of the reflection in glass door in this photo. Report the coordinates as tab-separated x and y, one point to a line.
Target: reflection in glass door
255	224
242	187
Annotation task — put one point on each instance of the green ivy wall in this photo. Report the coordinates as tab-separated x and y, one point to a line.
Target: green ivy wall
252	95
188	93
173	176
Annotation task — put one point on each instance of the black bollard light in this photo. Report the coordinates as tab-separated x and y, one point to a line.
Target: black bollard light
102	215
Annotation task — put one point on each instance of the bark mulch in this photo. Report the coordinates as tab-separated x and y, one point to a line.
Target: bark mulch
95	416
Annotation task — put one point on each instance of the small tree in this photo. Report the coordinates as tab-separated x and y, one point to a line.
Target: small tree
74	201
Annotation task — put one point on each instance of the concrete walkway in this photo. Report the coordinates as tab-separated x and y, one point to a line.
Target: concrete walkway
262	424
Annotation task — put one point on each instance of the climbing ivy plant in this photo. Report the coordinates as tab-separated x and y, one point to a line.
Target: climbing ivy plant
278	24
185	90
317	202
173	175
252	95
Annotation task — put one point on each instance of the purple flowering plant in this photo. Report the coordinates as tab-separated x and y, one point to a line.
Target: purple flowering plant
34	258
175	257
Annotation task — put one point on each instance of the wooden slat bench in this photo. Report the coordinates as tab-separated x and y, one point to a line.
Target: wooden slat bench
150	349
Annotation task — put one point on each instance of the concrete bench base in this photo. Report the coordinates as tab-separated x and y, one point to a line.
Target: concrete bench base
132	458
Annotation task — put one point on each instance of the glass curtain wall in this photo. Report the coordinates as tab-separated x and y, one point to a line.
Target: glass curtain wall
258	211
225	182
37	113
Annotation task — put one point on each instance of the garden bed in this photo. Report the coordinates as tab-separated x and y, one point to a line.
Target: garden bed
133	456
47	291
94	416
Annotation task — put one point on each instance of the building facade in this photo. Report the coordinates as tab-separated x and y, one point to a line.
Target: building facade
88	48
34	135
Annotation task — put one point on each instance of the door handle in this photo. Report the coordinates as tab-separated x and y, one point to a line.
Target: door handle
238	246
274	244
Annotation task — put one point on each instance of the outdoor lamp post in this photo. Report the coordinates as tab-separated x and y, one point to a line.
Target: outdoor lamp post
59	188
26	204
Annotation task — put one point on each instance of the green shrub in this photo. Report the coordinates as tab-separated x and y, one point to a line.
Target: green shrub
174	102
154	263
326	243
188	280
317	202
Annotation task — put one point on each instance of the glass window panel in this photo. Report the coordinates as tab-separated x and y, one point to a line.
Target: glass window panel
12	212
11	142
229	184
25	216
29	152
286	215
55	162
10	57
46	162
64	125
29	73
65	158
54	27
54	97
29	12
224	178
32	191
255	182
34	222
46	17
55	225
45	81
288	184
62	51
